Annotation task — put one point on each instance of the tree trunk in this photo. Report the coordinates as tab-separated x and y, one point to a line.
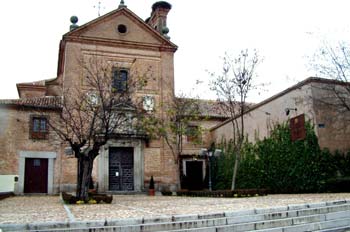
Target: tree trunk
178	172
239	146
85	165
235	169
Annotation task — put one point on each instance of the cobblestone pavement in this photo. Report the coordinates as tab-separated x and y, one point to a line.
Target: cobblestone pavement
50	208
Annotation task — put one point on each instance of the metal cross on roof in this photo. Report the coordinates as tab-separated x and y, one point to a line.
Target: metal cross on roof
99	8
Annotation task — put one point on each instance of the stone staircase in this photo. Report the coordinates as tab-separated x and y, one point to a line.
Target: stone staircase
325	217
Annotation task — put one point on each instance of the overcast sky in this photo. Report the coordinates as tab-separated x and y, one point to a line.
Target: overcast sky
284	32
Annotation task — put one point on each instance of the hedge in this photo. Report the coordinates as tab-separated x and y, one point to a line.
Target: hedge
281	165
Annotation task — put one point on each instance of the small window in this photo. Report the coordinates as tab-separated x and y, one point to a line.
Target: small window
38	127
36	163
120	79
192	133
122	28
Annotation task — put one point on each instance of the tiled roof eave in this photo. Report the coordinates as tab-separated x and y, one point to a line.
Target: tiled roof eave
39	103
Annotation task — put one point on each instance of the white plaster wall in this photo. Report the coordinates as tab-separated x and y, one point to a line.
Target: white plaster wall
259	121
7	183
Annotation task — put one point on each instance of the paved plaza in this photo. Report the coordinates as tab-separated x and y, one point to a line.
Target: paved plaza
26	209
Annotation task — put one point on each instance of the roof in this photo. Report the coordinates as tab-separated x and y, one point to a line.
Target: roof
74	35
123	10
209	108
284	92
38	102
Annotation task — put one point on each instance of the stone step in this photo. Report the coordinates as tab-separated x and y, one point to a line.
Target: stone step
288	217
236	223
332	226
265	218
339	229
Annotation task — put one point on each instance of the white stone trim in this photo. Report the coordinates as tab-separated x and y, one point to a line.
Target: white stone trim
103	163
51	156
184	169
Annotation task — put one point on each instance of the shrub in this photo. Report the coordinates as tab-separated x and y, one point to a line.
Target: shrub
339	184
224	193
151	183
279	164
166	193
93	198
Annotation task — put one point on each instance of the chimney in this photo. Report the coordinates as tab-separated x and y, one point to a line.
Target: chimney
158	17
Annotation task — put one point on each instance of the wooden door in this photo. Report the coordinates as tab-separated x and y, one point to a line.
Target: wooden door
121	169
35	176
194	170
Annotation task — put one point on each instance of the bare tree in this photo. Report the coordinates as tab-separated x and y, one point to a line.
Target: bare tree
333	62
181	113
95	110
232	87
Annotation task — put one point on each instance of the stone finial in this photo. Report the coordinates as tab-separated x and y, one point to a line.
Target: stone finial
165	32
73	20
121	4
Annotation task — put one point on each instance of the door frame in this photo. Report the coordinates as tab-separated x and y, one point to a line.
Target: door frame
51	156
184	168
103	163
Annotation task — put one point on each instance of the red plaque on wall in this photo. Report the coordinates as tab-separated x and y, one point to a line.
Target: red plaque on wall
297	127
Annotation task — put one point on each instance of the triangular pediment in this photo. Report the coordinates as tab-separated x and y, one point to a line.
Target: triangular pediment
109	27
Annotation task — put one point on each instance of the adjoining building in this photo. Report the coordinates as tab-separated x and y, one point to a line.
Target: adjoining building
320	100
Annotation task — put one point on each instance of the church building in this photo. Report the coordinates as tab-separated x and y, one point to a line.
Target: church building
33	159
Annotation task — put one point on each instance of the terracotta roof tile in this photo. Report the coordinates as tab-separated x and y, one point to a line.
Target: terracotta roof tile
50	102
210	108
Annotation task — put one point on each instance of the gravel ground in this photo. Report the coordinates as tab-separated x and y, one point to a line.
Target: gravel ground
26	209
49	208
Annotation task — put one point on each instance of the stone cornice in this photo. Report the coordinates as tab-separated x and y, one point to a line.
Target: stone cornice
119	43
30	87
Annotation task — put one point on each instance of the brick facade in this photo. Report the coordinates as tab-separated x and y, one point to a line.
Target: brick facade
142	49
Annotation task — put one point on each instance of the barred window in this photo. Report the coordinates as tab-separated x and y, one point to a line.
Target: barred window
192	133
38	127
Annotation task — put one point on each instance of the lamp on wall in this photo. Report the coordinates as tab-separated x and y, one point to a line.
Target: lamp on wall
287	110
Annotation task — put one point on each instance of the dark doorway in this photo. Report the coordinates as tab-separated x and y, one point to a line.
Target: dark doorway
121	169
194	171
35	176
